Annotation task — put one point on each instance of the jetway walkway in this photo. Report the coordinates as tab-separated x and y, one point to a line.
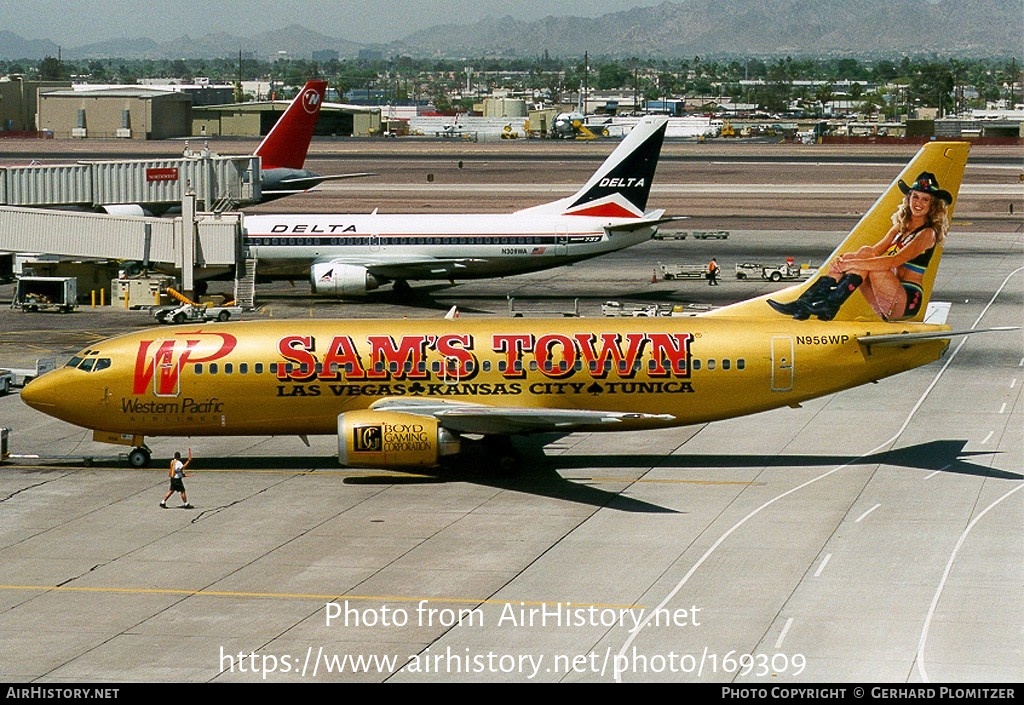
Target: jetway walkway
153	185
198	244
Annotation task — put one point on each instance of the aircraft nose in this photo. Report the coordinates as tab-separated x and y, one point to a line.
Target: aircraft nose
43	392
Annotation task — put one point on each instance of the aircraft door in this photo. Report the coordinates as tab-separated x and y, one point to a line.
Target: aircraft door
562	242
451	371
782	363
166	372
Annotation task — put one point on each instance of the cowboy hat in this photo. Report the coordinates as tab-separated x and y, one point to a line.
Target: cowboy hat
927	183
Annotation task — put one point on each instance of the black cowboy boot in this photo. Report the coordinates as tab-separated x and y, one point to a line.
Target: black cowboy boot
827	307
818	290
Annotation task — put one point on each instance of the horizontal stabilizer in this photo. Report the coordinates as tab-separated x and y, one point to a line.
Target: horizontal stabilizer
901	339
304	183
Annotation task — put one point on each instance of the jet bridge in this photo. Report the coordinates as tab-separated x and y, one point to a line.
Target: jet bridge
151	185
198	244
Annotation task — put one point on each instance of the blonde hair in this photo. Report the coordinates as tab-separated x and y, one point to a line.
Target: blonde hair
937	218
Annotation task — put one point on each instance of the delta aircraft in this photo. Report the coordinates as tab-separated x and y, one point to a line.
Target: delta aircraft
283	151
412	393
350	255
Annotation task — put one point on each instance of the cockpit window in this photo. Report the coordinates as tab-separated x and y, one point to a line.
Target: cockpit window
91	363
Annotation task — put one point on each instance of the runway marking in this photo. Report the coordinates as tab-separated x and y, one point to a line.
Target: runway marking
310	596
821	566
667	481
864	515
942	583
1002	409
936	472
783	633
903	427
988	437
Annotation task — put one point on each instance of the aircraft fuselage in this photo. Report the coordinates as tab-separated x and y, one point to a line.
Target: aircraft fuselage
465	246
292	377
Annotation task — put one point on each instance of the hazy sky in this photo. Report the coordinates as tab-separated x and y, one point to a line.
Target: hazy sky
75	22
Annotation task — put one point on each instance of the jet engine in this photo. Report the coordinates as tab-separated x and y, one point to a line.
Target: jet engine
332	279
385	439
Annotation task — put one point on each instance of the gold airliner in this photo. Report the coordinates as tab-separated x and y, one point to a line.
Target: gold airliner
405	393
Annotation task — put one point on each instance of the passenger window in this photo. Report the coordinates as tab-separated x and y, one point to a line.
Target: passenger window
726	364
741	364
258	368
711	364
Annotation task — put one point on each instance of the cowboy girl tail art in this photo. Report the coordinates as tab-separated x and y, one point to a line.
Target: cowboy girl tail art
886	266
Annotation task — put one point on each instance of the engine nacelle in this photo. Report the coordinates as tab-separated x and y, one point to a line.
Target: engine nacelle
334	279
389	439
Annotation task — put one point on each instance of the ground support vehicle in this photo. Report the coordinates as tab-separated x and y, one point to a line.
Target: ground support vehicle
787	271
46	294
615	308
11	378
186	313
683	271
188	310
697	234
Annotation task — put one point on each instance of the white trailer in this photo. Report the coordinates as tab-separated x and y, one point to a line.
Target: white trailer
46	294
683	271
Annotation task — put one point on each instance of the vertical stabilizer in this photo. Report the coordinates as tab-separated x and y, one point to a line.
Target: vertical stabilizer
288	141
621	186
937	168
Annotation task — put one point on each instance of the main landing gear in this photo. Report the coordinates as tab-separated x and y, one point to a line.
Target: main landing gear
139	457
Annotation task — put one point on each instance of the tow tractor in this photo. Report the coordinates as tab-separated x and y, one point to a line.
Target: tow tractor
787	271
190	311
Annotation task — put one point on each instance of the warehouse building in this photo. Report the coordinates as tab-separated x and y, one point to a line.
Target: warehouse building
129	112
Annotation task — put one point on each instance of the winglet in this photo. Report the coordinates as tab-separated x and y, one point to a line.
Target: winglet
622	184
288	141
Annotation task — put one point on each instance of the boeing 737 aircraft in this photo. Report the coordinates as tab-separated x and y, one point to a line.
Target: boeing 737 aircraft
406	393
349	255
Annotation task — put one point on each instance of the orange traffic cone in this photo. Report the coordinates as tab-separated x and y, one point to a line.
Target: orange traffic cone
654	277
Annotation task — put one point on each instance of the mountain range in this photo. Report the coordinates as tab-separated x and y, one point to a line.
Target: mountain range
766	28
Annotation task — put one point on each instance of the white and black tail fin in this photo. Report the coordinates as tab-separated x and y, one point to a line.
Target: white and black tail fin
937	163
287	143
621	186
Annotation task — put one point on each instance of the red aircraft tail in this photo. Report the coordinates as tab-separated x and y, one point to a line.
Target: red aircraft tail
288	141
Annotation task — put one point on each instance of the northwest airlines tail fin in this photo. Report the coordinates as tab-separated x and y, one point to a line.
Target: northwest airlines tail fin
288	141
620	187
855	290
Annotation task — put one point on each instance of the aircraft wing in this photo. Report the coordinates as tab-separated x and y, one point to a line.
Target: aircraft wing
480	418
408	267
413	268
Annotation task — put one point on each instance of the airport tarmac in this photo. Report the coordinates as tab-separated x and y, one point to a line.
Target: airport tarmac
869	536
